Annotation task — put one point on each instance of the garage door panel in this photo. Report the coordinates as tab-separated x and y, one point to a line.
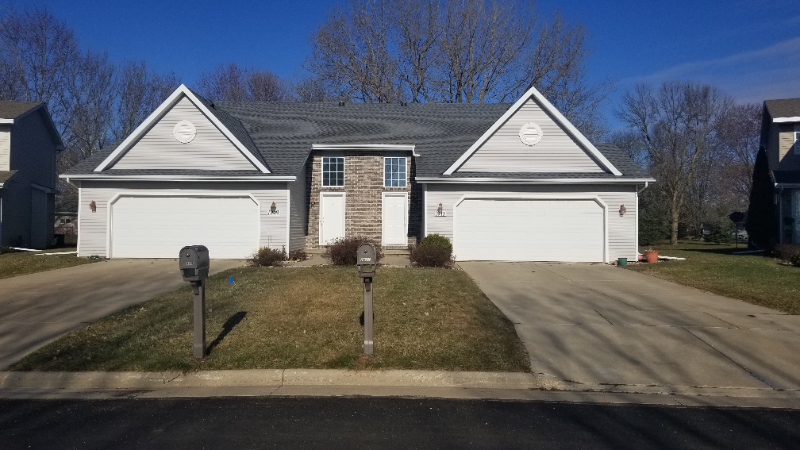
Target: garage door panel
157	227
529	230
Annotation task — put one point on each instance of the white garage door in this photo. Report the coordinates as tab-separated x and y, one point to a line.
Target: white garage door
158	227
529	230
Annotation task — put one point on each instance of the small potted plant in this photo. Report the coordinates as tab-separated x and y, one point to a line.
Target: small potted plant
651	255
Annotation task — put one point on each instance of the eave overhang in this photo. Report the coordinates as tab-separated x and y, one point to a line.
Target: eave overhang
365	147
450	180
203	178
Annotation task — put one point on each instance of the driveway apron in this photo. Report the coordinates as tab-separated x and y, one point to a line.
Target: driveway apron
38	308
598	324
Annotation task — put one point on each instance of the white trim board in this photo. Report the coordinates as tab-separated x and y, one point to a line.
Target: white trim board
209	178
444	180
172	100
559	118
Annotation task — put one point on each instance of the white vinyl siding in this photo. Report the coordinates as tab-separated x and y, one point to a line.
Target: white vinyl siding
621	230
210	149
557	151
159	226
94	226
529	229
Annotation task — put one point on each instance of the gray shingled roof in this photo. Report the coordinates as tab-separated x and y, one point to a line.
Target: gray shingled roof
12	110
283	134
5	175
787	107
786	176
234	126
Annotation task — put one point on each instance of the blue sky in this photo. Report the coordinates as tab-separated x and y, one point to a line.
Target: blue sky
748	48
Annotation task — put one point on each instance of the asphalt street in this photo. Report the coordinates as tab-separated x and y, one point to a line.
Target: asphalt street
363	422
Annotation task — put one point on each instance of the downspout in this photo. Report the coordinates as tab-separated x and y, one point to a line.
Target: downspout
780	216
636	227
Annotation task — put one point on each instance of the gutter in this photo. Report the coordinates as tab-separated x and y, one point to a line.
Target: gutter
639	191
438	180
208	178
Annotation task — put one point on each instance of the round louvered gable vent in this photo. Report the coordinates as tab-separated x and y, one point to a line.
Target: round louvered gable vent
184	131
530	134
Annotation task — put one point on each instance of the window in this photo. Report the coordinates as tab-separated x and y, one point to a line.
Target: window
394	172
333	171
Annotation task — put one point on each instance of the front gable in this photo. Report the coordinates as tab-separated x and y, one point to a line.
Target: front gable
532	137
182	134
207	147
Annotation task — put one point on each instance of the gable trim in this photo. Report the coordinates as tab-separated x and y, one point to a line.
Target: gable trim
786	119
160	112
559	118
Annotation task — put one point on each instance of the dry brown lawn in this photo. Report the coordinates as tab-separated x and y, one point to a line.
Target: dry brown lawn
427	319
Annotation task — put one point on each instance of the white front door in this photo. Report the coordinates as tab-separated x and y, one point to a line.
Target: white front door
331	217
395	226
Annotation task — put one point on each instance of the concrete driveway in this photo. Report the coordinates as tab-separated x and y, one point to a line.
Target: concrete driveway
38	308
595	324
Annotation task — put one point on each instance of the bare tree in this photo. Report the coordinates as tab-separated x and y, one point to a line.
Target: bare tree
739	134
38	51
311	90
139	92
455	51
352	53
233	83
678	125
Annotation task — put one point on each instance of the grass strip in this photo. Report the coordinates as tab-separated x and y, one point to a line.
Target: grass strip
754	278
24	263
427	319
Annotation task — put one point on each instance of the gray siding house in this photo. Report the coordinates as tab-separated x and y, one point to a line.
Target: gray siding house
513	182
28	145
780	136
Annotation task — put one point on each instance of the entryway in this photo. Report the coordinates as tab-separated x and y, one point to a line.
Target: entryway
331	217
395	225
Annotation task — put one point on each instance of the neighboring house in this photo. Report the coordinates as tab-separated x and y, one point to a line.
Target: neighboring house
780	136
65	227
503	182
28	145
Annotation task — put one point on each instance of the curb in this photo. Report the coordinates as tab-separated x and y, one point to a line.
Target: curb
275	378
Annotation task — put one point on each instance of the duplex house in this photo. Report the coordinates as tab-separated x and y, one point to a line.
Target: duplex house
780	136
514	182
29	143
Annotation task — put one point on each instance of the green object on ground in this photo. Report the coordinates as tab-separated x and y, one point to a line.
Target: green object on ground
622	261
425	319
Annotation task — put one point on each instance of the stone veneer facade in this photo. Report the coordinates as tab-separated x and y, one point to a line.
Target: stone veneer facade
363	187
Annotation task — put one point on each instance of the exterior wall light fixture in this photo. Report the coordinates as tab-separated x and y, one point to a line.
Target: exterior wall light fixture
622	210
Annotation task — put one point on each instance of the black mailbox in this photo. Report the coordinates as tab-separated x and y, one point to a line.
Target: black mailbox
193	262
366	260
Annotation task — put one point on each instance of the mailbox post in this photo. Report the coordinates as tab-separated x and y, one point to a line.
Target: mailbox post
367	261
194	263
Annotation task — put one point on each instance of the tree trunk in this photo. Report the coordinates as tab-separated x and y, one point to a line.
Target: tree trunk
673	238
